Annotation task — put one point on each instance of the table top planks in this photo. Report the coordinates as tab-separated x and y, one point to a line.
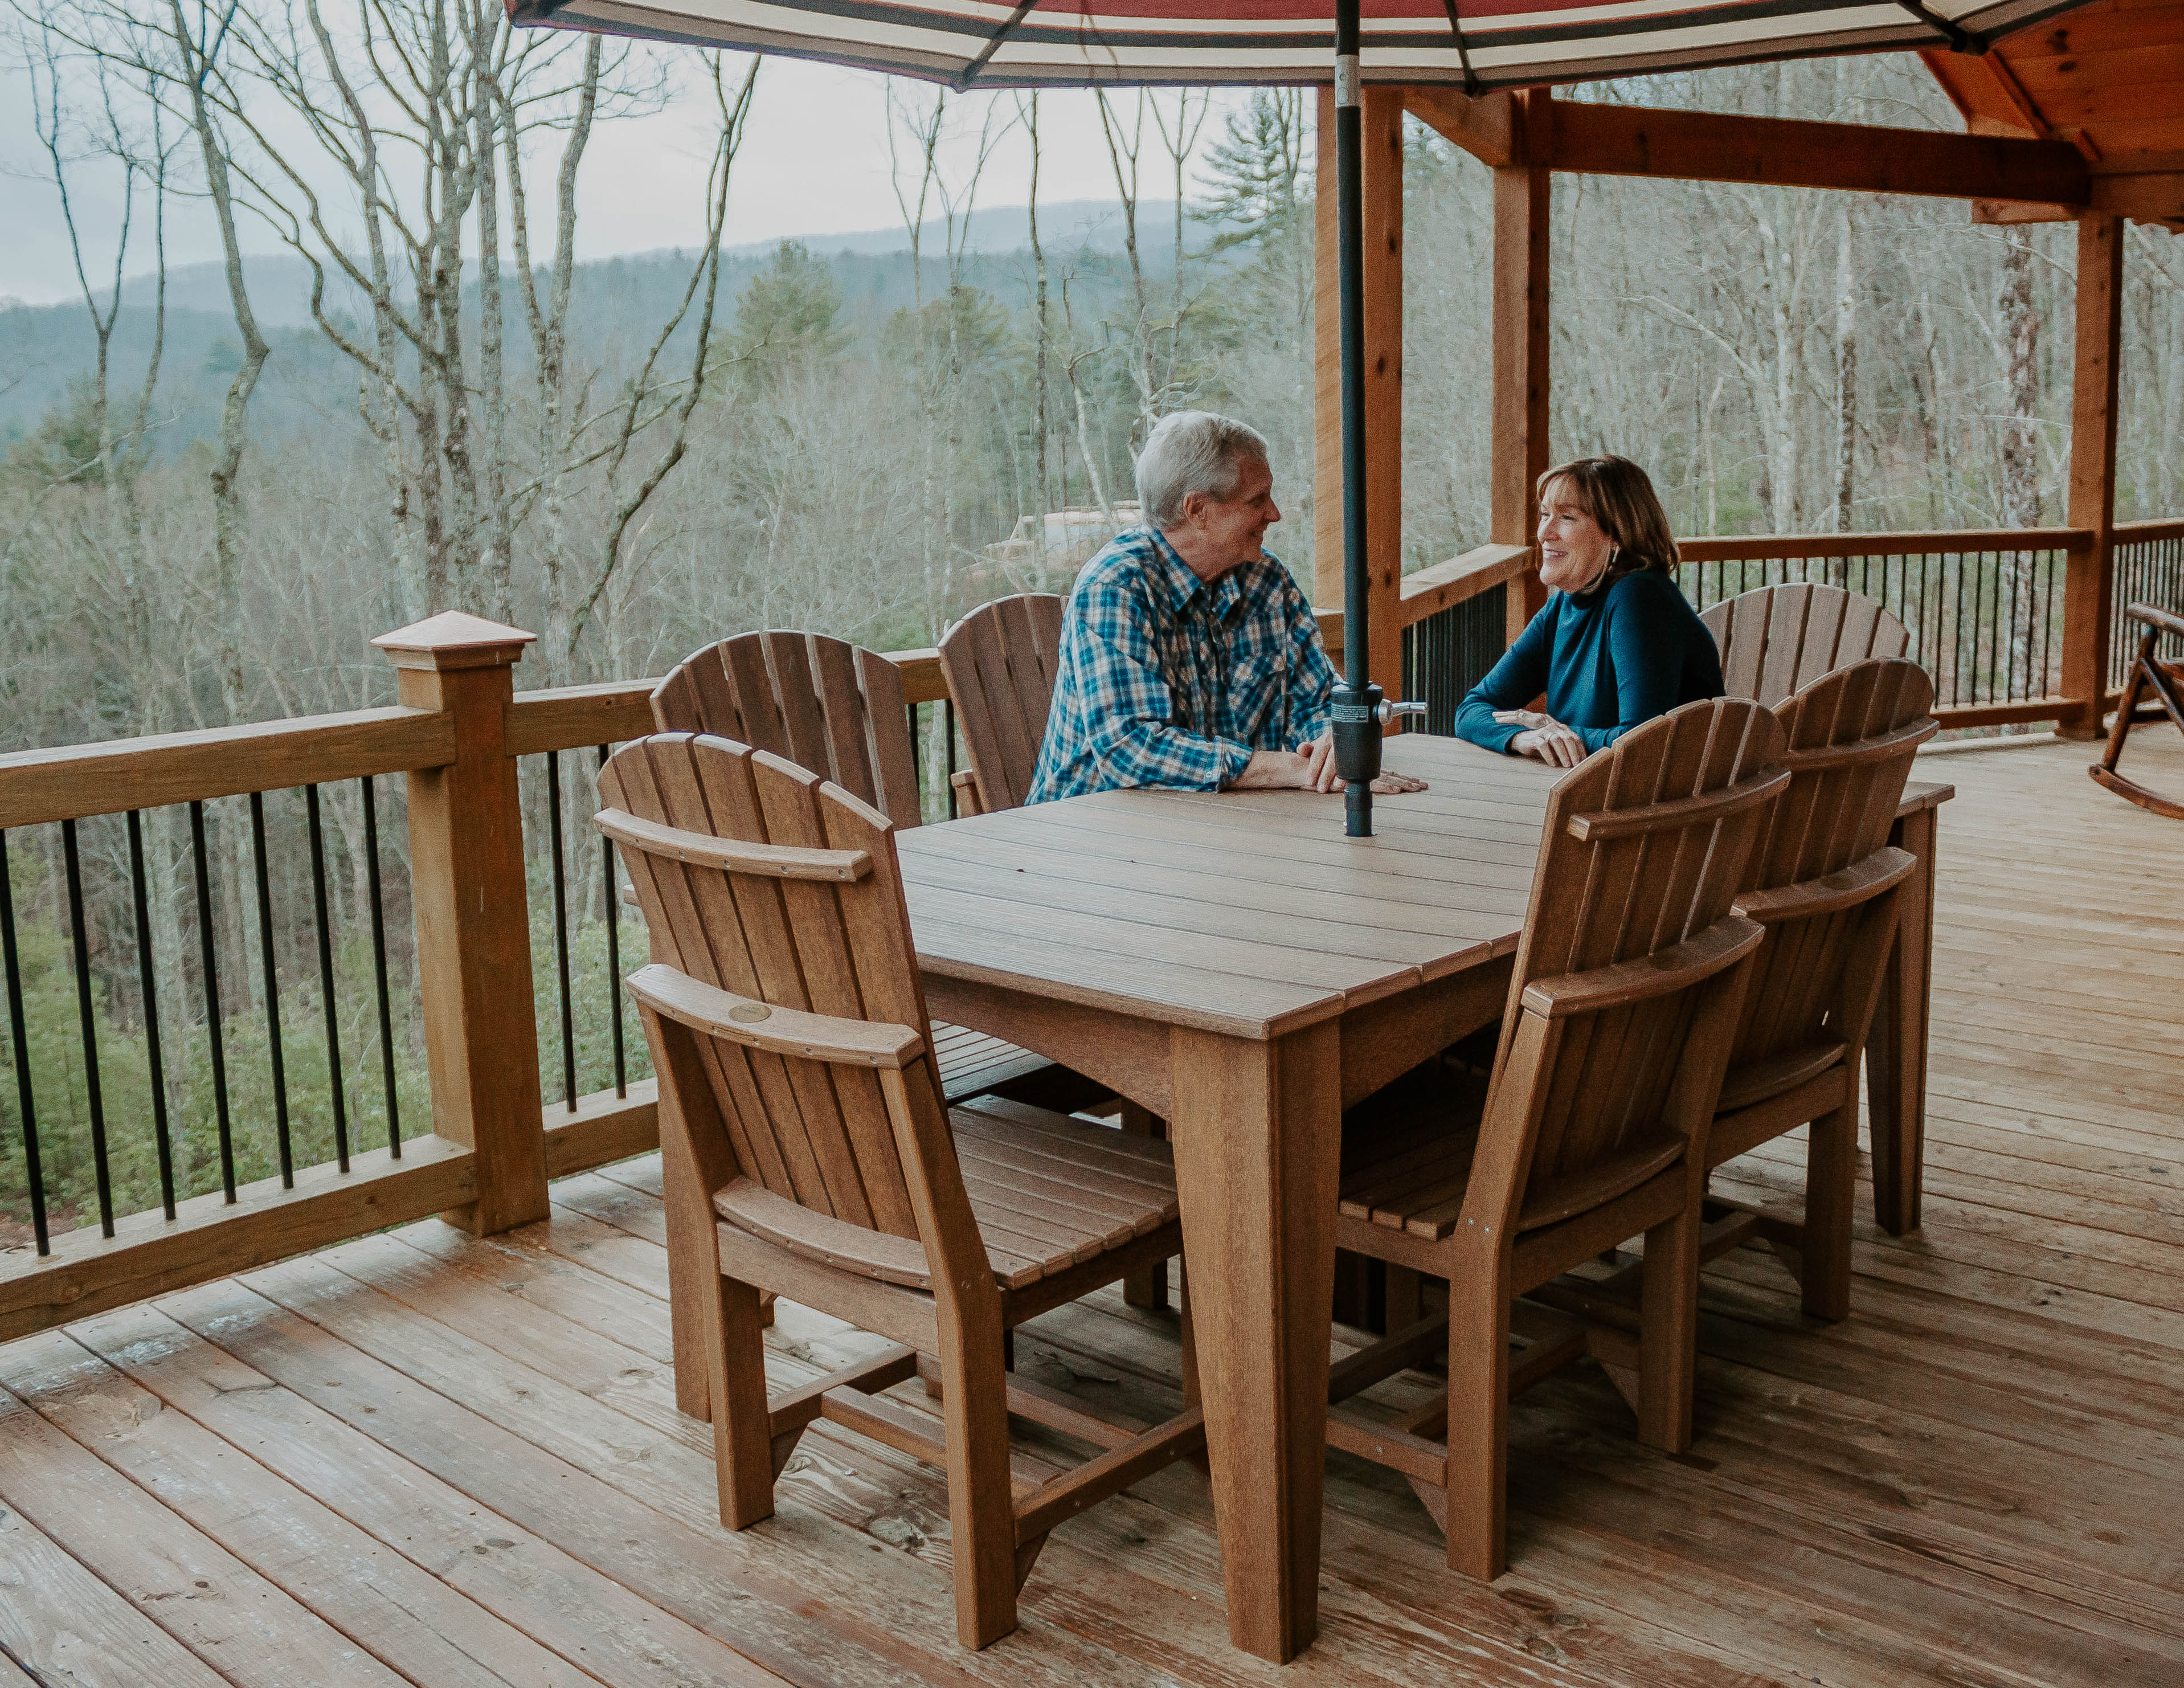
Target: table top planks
1243	913
1247	913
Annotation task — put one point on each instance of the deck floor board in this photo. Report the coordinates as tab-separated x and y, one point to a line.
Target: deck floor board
425	1459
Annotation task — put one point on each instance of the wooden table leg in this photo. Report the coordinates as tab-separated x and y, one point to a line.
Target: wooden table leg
1895	1054
1257	1133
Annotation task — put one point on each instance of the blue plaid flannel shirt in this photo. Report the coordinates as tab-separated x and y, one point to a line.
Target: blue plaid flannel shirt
1166	681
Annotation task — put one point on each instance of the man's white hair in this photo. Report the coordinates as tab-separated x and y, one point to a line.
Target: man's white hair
1193	451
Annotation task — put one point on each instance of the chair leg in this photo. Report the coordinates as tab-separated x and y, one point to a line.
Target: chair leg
1146	1287
1478	1423
1667	1326
1830	1185
743	1442
981	1515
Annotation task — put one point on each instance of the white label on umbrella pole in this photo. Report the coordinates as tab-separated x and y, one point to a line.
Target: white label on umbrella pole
1346	79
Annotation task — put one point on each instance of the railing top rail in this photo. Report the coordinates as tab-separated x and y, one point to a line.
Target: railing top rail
2150	532
1755	547
69	781
1442	586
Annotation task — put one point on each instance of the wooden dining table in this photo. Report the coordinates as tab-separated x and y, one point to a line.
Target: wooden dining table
1233	963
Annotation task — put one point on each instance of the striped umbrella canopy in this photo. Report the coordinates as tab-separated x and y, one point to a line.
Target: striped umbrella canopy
1477	44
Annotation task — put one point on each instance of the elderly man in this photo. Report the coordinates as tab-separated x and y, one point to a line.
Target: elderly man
1190	658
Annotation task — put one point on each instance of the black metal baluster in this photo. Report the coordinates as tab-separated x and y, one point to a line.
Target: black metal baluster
2046	624
916	759
379	969
209	961
272	974
94	1099
148	982
614	946
948	734
33	1166
561	931
326	976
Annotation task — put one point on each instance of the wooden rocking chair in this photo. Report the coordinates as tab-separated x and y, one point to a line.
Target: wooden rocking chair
1776	640
1000	661
1627	993
2166	682
838	709
808	1152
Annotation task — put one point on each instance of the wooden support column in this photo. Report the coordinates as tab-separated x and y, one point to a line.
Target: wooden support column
1521	201
2090	583
473	915
1383	159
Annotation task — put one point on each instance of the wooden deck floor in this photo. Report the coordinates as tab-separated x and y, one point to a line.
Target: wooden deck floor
419	1459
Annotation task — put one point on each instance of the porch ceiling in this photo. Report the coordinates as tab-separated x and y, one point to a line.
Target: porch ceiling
2107	77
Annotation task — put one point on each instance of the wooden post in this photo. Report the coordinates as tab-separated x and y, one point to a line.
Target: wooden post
2090	583
1383	220
1521	202
473	915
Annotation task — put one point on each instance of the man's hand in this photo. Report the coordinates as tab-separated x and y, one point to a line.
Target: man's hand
1543	736
1319	775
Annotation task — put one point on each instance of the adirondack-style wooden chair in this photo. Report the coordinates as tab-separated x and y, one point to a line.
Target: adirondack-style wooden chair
999	661
1627	988
1777	639
1824	882
2166	682
837	708
822	703
808	1151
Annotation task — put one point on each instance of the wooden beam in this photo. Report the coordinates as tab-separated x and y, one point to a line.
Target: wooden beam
1490	127
2091	583
1699	146
1521	202
2148	196
1382	209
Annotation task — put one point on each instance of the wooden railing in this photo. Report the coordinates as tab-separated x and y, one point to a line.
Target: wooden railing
445	764
2006	619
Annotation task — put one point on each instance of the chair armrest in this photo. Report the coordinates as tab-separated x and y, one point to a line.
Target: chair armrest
965	782
732	855
1831	893
757	1025
1599	825
1728	941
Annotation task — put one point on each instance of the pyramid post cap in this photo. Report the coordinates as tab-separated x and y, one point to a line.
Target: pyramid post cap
453	639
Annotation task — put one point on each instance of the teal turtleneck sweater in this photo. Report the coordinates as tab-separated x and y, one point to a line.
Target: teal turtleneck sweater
1609	660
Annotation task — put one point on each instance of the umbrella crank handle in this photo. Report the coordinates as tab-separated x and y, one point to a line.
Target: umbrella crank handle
1358	727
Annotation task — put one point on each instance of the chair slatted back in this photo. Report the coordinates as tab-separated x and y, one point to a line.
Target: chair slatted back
817	1134
999	661
1778	639
1644	849
1851	736
822	703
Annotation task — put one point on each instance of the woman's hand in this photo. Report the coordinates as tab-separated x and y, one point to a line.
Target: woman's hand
1543	736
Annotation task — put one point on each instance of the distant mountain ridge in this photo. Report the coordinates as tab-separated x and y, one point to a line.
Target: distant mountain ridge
42	346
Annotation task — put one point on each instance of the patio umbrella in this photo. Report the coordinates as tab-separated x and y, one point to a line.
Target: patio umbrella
1479	44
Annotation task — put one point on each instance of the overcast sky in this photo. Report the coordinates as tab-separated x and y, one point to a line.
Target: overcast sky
814	162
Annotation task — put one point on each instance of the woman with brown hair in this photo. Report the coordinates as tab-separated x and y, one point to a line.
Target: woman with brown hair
1618	643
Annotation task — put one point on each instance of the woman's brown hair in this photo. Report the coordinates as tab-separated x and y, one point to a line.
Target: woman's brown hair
1617	494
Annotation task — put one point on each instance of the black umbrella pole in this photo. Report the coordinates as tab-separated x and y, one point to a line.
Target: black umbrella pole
1357	703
